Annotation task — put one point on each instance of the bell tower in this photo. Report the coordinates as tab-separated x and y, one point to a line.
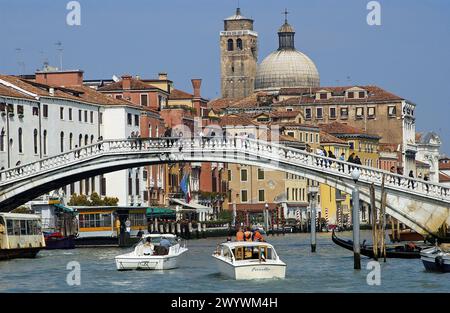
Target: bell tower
239	54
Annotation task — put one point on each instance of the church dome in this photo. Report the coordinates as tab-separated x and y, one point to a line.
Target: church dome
286	67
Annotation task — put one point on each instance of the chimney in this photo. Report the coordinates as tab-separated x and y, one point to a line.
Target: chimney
60	78
126	82
196	84
162	76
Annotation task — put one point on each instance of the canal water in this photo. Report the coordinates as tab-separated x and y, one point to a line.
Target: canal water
330	269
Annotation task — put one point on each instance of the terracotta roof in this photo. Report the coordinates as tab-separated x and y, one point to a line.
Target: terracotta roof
307	95
235	120
444	166
247	102
136	84
177	94
336	128
38	89
220	104
73	92
90	95
10	92
328	138
444	178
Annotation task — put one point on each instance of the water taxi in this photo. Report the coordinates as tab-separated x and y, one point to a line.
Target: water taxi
249	260
436	258
20	235
153	252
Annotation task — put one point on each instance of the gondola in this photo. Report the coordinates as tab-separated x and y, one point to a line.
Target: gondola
399	251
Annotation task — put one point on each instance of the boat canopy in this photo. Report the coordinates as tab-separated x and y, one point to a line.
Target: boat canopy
193	205
65	209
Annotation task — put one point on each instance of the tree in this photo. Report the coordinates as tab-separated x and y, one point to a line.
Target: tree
94	200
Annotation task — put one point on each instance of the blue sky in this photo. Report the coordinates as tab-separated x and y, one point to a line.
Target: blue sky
409	54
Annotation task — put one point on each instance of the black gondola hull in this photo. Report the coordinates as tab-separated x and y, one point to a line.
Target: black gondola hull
398	252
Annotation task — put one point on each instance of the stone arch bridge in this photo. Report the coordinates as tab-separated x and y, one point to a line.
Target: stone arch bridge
423	206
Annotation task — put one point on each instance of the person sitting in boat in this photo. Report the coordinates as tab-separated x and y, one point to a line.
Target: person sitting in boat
257	236
165	246
240	235
248	234
148	247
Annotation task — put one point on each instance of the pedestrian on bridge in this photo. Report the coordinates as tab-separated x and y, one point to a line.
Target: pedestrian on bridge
410	181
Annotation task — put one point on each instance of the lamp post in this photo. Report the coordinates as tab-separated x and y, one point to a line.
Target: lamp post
313	190
355	220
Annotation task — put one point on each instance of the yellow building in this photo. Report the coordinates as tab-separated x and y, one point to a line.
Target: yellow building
361	145
335	205
252	188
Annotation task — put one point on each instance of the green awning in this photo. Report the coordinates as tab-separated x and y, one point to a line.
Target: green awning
157	212
65	209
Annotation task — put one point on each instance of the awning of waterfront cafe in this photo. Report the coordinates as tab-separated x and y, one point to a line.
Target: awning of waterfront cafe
159	212
64	208
192	205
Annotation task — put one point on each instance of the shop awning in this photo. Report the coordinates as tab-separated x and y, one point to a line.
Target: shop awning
192	205
64	208
157	212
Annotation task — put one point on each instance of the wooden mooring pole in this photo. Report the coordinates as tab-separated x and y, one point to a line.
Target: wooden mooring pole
373	210
355	218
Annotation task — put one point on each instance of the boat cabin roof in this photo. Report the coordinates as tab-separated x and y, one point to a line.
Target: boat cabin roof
159	235
19	216
235	244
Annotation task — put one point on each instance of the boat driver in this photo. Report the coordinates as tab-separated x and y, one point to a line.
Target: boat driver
148	247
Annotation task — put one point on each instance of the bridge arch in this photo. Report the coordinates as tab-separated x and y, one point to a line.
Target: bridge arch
424	208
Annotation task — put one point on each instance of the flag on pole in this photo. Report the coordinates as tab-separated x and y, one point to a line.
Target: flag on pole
185	186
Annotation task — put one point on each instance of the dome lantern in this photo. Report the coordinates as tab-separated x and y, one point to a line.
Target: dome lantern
286	35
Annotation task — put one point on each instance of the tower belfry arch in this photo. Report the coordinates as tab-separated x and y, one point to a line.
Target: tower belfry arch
239	54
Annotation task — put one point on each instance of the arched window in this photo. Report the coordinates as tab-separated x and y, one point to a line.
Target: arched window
230	45
70	141
92	139
150	130
44	147
80	140
239	44
2	140
61	142
86	140
35	141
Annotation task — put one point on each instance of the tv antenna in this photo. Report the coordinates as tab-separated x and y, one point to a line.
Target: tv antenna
60	49
20	62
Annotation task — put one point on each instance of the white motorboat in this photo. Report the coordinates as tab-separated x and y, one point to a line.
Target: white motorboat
153	252
436	258
249	260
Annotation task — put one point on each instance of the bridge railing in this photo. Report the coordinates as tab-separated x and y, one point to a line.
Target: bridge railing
229	147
